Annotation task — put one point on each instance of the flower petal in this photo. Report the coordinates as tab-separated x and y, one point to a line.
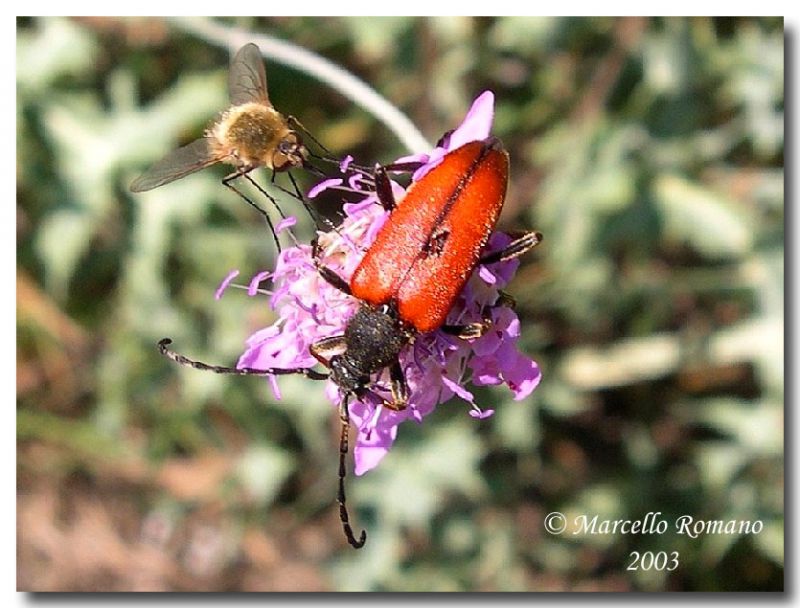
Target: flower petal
369	451
345	163
252	289
273	383
458	389
480	414
477	124
487	275
522	377
412	158
285	223
224	284
324	185
355	181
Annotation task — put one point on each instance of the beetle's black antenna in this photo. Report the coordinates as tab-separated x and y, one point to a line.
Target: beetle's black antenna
163	347
344	417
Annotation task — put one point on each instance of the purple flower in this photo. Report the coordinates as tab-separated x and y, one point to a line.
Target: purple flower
436	365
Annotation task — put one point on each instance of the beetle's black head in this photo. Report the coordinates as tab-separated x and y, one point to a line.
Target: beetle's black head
374	339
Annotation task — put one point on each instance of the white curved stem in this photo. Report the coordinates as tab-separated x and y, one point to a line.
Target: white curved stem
320	68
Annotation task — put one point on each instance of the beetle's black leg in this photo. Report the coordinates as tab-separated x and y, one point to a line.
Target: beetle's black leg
408	167
383	188
383	185
469	331
444	139
399	388
514	249
322	350
334	279
326	273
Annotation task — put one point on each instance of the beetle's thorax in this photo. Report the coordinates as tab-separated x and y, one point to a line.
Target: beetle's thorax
374	337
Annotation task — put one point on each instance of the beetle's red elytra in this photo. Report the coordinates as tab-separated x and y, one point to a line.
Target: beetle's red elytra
431	243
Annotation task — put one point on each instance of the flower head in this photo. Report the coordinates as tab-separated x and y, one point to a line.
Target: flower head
436	365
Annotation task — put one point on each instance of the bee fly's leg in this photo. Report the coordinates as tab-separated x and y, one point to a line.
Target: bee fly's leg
298	126
324	349
266	195
298	195
329	275
521	244
243	172
344	418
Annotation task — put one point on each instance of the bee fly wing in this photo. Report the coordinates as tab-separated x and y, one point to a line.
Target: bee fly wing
175	165
247	80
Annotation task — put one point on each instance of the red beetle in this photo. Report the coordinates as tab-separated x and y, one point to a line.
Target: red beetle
408	279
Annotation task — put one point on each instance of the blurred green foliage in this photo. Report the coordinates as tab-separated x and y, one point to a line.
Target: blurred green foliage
648	151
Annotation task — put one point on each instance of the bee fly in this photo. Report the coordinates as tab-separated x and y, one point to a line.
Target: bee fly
249	134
